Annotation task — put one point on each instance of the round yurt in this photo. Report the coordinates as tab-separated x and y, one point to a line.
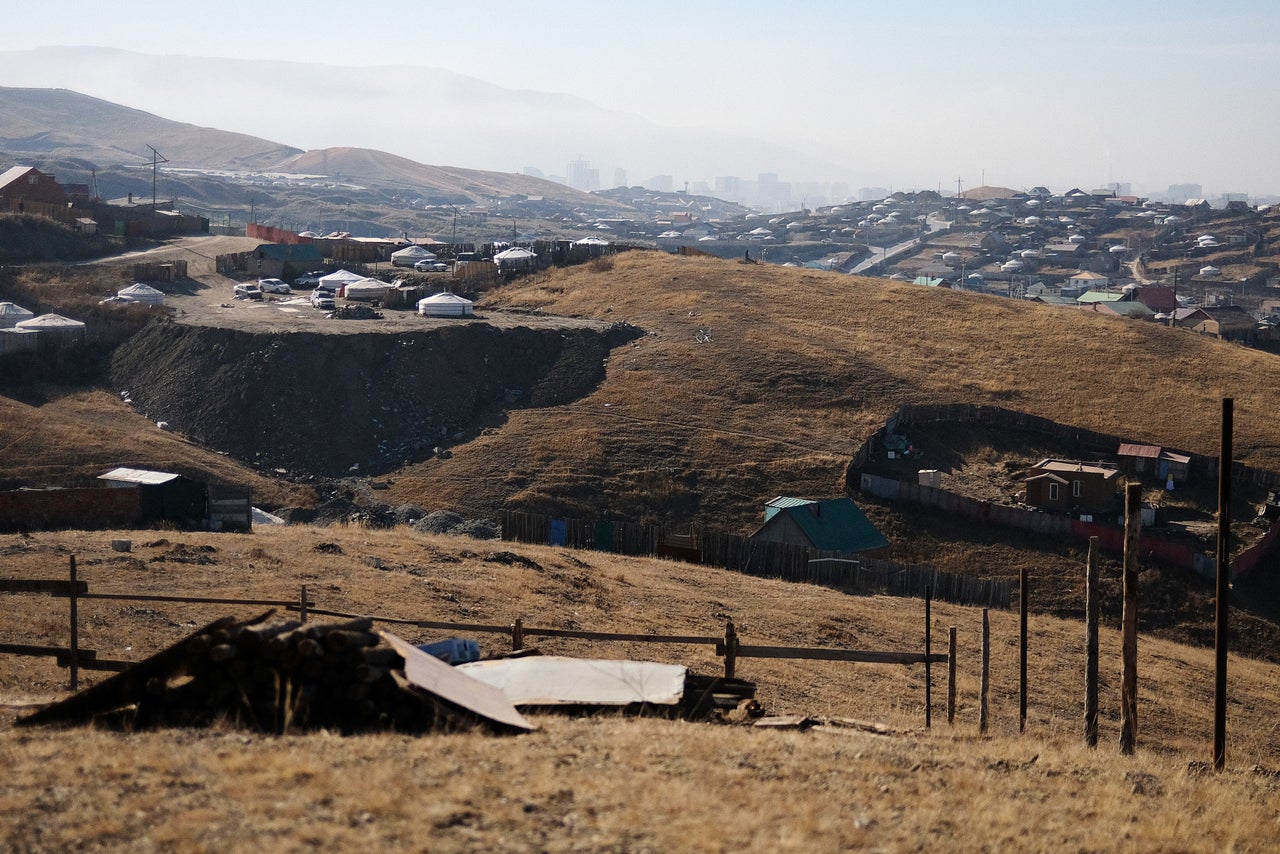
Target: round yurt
515	258
591	241
411	255
55	330
1117	249
444	305
366	290
950	258
1077	238
140	293
11	314
1210	271
14	340
1011	266
337	281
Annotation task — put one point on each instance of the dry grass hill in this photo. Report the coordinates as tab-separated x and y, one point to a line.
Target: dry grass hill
756	380
612	783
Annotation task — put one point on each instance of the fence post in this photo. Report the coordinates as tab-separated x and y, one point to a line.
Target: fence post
1129	621
1091	595
951	676
1022	649
75	629
302	605
928	649
986	671
730	650
517	635
1223	589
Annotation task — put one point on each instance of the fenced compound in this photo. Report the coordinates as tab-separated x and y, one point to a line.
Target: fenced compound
759	558
729	646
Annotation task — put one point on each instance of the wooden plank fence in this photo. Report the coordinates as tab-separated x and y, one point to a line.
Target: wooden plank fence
728	646
758	558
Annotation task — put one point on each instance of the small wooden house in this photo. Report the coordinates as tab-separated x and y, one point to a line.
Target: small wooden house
1064	485
835	525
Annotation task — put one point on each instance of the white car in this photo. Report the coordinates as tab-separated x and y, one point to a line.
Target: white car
248	290
309	280
428	265
322	299
274	286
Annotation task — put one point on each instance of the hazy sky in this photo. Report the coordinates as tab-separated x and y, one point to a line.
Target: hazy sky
907	94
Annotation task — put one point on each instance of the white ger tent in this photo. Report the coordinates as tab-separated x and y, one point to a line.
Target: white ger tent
366	289
411	255
337	281
144	294
11	314
444	305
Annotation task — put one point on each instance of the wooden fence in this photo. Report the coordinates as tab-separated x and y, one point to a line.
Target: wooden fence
729	646
756	557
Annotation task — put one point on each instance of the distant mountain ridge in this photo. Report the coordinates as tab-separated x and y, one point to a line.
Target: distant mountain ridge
60	125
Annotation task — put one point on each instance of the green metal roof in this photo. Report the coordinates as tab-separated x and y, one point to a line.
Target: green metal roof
835	524
1101	296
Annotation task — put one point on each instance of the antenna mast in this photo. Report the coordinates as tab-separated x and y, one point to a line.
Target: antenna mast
156	159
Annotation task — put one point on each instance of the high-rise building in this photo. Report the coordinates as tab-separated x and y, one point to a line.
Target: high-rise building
619	177
661	183
581	176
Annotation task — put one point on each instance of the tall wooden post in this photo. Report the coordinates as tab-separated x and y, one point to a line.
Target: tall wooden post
302	605
986	671
1223	590
1129	620
517	634
951	676
928	650
1091	594
730	650
1022	649
75	629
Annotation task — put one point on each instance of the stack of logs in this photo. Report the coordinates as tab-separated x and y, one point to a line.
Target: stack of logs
278	676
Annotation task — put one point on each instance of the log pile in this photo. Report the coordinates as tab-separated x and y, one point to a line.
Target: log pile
274	676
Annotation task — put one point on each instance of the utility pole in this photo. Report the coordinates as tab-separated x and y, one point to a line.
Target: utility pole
156	159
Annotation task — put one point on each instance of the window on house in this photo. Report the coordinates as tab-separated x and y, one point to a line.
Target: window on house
1053	492
1076	489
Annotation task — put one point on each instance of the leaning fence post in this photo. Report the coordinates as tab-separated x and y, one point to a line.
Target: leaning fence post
928	664
951	676
302	605
986	671
730	650
517	635
75	629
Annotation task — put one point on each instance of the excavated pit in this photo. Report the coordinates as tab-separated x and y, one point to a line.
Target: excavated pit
319	404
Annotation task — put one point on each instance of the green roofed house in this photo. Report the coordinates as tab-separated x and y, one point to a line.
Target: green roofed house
832	525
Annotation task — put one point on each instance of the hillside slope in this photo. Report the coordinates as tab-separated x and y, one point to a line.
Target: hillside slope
756	380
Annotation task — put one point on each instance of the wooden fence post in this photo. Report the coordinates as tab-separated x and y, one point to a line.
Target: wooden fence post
75	629
1129	621
986	671
1091	596
928	650
302	605
1223	590
951	676
730	650
1022	649
517	635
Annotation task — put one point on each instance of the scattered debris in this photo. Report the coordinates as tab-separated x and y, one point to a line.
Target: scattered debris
327	548
282	676
828	725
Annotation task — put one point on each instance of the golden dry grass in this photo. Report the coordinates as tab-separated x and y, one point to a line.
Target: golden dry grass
756	380
613	783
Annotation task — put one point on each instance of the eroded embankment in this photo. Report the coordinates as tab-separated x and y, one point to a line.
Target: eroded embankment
320	404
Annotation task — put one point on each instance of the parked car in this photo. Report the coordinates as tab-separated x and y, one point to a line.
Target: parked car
427	265
465	258
274	286
323	300
248	290
309	280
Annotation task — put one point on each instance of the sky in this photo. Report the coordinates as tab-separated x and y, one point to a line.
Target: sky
902	95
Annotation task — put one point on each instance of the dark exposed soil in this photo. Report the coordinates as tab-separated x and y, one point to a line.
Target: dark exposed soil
323	405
